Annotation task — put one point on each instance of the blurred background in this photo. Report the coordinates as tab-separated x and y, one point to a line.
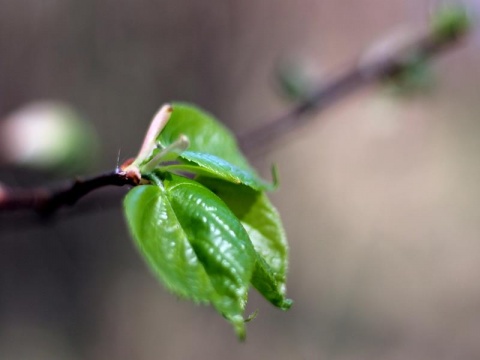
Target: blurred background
379	194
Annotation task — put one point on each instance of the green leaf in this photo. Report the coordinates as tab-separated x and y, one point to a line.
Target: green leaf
264	281
415	75
193	243
450	21
205	132
262	222
294	82
213	166
154	225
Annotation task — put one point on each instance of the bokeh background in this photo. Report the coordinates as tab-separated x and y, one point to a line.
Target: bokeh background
380	194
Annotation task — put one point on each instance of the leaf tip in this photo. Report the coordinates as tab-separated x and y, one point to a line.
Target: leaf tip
239	326
252	316
267	186
275	176
286	304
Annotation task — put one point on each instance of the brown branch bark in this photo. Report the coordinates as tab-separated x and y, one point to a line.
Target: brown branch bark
386	66
46	201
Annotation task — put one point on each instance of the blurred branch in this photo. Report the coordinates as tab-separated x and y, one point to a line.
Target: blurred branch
446	30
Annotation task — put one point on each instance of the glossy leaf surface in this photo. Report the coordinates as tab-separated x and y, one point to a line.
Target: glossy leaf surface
207	238
194	244
164	244
205	132
213	166
262	222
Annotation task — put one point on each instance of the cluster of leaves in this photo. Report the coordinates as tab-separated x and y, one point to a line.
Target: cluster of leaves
203	223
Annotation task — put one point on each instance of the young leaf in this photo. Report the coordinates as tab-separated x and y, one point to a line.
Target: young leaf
194	244
450	21
262	222
153	224
264	281
213	166
205	132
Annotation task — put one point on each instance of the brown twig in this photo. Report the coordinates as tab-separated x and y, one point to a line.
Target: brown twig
388	65
385	66
46	201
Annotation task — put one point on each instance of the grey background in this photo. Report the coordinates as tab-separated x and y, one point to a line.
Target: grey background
379	196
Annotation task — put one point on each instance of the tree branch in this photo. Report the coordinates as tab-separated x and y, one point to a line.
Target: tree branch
385	66
46	201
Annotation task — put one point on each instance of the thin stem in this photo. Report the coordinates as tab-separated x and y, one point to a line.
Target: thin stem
45	201
364	73
158	123
170	153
